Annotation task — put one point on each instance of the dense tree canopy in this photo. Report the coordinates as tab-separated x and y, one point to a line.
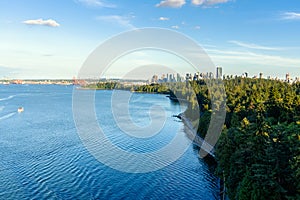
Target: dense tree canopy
258	153
259	150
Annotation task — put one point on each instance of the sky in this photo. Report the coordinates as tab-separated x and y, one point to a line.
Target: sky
53	38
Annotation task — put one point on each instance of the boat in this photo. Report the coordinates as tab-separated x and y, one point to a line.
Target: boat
20	109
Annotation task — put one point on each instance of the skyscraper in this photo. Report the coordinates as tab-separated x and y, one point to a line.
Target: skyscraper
219	72
287	77
178	77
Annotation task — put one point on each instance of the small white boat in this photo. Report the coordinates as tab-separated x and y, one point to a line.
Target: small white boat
20	109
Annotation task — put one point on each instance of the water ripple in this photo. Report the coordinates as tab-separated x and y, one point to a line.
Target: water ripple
42	156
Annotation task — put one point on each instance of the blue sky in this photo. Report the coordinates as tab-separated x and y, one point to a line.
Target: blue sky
52	38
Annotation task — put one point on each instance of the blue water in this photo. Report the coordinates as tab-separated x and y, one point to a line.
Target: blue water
42	156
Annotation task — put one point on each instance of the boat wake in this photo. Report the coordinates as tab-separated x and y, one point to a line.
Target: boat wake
7	116
7	98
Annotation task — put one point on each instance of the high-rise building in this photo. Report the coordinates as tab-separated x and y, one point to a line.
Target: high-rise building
202	75
260	75
188	77
287	77
171	78
178	77
196	77
154	79
219	72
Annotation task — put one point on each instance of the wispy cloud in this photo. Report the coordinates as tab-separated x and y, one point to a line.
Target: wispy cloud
96	3
252	58
164	18
180	3
171	3
290	16
236	62
253	46
48	22
197	27
123	21
208	2
175	27
47	55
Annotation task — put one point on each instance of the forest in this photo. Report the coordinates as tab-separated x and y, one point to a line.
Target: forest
258	152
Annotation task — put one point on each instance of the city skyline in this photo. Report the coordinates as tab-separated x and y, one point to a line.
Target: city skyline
171	77
52	39
156	78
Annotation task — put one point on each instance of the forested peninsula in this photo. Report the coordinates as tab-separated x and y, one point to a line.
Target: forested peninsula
258	153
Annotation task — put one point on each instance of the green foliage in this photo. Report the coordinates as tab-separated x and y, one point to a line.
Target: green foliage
107	85
259	151
204	123
153	88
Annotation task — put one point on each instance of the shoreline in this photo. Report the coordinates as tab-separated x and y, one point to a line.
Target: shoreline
191	133
196	139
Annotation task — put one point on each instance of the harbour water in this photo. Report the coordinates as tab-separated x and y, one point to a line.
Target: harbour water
42	156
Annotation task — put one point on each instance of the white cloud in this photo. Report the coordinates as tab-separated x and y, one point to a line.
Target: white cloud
253	46
96	3
123	21
198	2
164	18
237	62
180	3
250	57
197	27
175	27
171	3
290	16
49	22
208	2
